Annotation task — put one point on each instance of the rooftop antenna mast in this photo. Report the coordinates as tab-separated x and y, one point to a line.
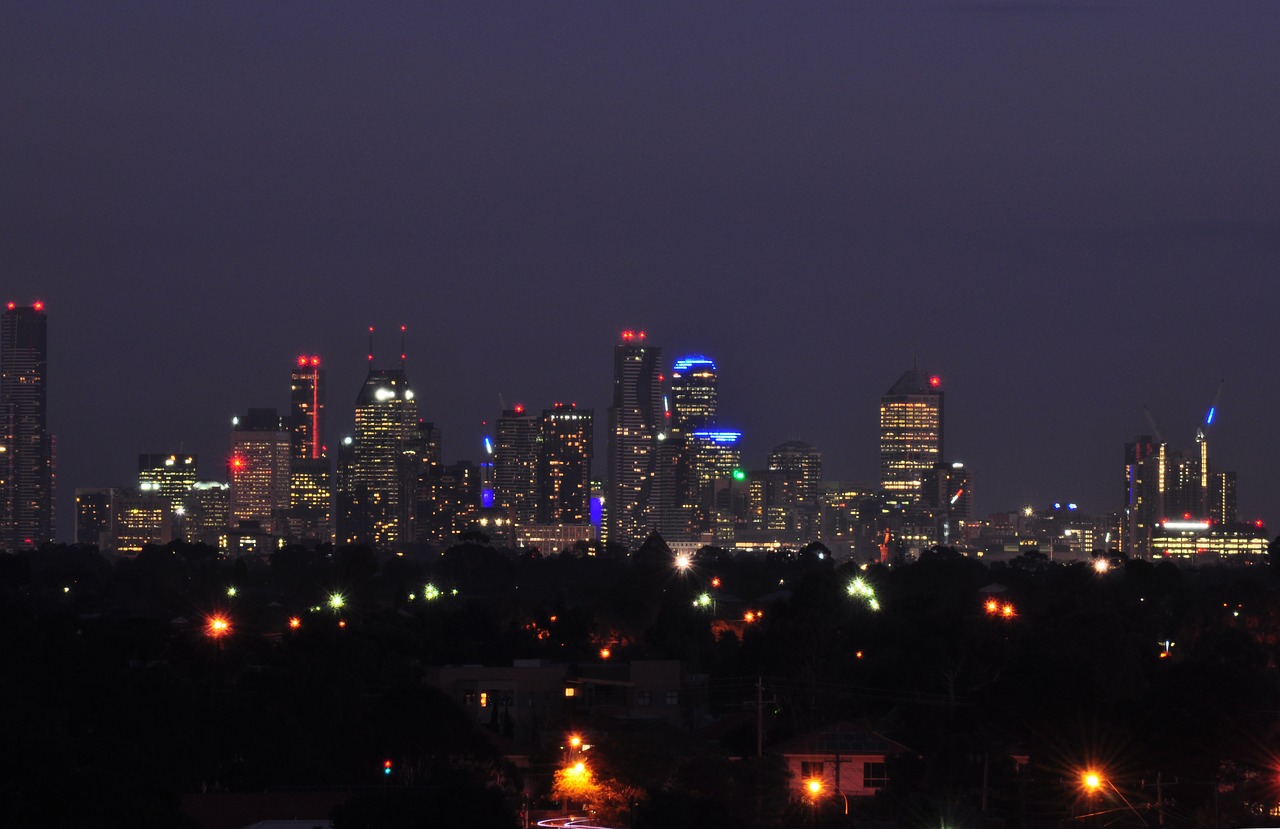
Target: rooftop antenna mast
370	346
402	352
1155	428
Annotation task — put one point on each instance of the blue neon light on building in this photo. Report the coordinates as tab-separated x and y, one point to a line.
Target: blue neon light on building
686	363
486	498
597	510
718	437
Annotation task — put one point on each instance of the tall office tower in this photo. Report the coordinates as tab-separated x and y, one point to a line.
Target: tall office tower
564	465
911	420
385	460
26	447
691	405
948	492
306	408
1141	493
95	511
801	468
447	503
693	393
714	457
167	475
515	474
206	513
141	519
259	469
310	514
1222	498
635	420
1170	487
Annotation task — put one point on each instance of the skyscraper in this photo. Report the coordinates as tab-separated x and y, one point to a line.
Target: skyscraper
691	404
564	465
310	514
635	420
26	447
694	396
383	463
518	440
1172	490
259	469
306	408
911	421
167	475
797	508
713	457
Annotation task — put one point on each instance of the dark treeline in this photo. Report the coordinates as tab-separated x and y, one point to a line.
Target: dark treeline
117	700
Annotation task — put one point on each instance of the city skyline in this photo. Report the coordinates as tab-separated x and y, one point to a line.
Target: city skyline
1065	211
227	458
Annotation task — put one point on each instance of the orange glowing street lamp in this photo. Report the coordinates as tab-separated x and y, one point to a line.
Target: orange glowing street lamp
218	626
1092	781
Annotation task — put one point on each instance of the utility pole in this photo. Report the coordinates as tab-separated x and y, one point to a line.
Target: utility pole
759	716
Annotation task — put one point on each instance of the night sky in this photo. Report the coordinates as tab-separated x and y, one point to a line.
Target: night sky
1068	210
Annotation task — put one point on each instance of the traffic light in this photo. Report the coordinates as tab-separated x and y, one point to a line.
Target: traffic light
386	768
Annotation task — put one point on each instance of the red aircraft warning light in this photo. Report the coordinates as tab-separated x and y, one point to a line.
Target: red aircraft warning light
935	381
519	408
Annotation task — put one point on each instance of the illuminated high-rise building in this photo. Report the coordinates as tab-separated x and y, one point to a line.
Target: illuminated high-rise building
911	421
122	520
26	447
95	511
1173	490
141	519
714	456
948	492
310	514
794	506
694	398
691	404
802	465
167	475
206	513
635	420
259	470
383	462
563	475
306	408
518	438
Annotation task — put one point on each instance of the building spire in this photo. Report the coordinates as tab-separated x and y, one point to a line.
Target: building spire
370	346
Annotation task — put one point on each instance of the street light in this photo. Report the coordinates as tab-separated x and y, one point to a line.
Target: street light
815	786
1093	782
218	626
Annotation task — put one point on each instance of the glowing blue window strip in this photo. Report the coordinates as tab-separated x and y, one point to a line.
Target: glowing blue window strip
718	437
686	363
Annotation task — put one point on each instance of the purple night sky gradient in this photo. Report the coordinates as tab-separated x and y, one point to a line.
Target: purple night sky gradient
1068	210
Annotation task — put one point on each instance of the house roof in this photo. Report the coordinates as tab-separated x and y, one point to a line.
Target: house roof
841	738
